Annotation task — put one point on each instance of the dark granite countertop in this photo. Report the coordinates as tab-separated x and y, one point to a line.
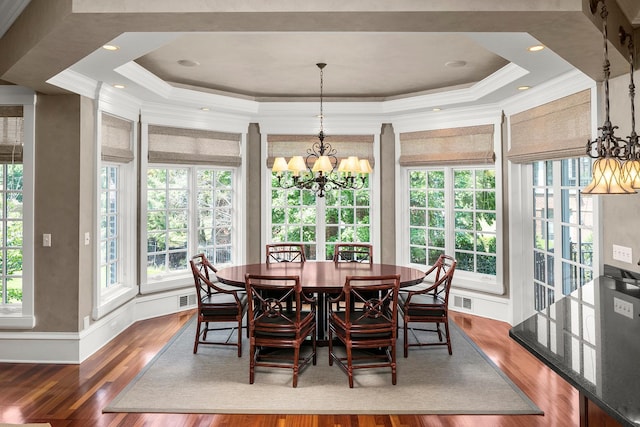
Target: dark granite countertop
593	347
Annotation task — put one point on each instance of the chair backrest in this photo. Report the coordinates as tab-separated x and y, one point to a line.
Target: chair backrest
442	275
268	297
203	271
371	303
353	252
285	252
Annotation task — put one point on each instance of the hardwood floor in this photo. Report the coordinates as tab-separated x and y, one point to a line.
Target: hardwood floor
74	395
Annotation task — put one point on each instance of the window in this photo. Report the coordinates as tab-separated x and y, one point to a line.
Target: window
109	226
11	238
558	205
215	210
17	123
298	216
172	235
453	211
116	276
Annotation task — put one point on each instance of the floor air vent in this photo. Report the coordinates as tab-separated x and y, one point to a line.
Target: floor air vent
462	302
187	300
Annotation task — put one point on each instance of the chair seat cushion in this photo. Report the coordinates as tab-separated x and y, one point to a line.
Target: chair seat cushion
417	306
364	322
280	327
221	304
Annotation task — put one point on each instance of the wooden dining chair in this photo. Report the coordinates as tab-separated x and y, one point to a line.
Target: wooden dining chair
367	327
285	252
216	304
353	252
271	326
429	304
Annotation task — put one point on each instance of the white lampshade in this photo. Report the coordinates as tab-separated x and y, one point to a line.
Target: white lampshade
631	173
297	165
365	167
353	165
279	165
607	178
322	164
342	167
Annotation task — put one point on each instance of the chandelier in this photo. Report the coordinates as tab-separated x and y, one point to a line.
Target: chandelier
616	169
319	170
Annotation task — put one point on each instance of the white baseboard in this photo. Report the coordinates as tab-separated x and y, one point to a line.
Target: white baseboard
488	306
75	347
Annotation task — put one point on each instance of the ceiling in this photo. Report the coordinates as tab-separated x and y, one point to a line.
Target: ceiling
375	49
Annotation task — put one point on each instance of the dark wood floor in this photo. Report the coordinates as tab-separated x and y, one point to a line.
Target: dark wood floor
74	395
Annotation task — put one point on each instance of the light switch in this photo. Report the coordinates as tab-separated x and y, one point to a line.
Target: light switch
87	238
46	240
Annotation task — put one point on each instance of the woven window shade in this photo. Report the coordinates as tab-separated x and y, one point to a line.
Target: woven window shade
116	139
557	130
192	146
11	134
288	146
454	146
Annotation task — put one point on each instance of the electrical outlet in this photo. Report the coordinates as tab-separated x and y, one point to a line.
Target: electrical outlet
623	307
46	240
622	253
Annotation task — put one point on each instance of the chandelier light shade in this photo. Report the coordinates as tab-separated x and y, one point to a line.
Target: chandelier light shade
319	170
610	172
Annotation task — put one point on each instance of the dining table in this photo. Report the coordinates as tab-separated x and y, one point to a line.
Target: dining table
321	278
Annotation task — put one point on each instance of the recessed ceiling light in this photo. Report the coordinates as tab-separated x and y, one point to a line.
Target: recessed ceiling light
111	47
455	64
204	108
119	86
524	87
188	63
437	109
535	48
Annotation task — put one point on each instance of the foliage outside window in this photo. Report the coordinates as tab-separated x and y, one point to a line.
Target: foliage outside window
214	207
12	229
463	224
298	216
171	235
109	226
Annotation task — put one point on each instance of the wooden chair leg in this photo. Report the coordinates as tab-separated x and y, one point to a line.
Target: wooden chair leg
240	338
350	366
446	329
406	338
195	345
296	360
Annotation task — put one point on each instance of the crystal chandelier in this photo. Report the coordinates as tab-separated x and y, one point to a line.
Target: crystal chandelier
616	166
319	169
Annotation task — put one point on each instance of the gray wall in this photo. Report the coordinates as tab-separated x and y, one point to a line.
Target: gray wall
386	166
60	207
253	215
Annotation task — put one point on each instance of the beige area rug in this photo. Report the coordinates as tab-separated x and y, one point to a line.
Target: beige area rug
215	380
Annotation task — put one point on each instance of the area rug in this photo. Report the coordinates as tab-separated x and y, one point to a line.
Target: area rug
215	380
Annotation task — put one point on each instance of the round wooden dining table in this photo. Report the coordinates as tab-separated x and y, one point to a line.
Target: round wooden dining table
321	278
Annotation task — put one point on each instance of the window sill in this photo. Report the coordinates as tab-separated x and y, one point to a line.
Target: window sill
16	321
113	300
167	284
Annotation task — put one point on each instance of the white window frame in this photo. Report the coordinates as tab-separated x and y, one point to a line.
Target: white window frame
107	300
184	277
464	279
22	316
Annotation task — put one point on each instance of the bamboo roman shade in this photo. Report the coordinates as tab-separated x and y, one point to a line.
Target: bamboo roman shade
193	146
288	146
11	134
117	137
469	145
557	130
